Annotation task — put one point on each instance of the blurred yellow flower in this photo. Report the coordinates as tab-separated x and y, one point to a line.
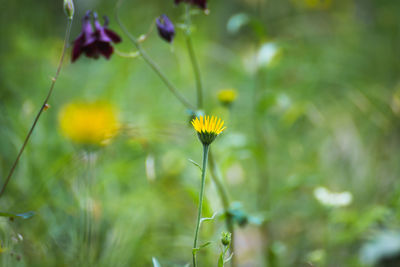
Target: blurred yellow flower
89	123
227	96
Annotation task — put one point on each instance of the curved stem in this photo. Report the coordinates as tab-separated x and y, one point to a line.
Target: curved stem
217	180
203	182
152	64
223	194
193	60
44	105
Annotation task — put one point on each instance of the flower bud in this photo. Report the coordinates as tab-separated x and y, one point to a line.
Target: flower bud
165	28
226	238
69	8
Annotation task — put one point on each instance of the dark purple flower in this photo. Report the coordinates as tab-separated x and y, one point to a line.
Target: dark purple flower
200	3
94	42
165	28
84	39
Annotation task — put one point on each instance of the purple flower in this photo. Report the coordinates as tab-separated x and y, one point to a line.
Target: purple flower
94	43
200	3
84	39
165	28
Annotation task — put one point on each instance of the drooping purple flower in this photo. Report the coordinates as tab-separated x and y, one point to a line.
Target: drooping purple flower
84	39
200	3
94	43
165	28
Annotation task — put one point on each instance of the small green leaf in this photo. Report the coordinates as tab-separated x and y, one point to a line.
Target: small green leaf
25	215
208	219
229	258
221	260
194	251
205	245
195	164
155	262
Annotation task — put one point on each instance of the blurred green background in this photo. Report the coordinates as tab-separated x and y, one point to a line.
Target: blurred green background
310	156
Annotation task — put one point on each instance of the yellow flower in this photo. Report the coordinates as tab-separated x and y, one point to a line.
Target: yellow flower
227	96
208	129
89	123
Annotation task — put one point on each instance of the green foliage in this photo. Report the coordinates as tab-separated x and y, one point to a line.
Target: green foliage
318	106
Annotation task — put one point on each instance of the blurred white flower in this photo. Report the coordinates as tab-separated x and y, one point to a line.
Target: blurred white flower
328	198
267	54
236	22
283	101
150	167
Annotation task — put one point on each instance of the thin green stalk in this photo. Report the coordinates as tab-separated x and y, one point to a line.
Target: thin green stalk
217	180
152	64
261	154
223	194
193	60
223	255
203	182
42	108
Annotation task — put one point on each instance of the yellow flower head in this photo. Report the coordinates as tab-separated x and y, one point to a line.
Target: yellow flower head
227	96
208	128
89	123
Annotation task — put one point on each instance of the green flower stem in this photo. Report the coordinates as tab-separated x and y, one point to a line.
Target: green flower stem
203	182
153	65
42	108
193	60
224	250
223	194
